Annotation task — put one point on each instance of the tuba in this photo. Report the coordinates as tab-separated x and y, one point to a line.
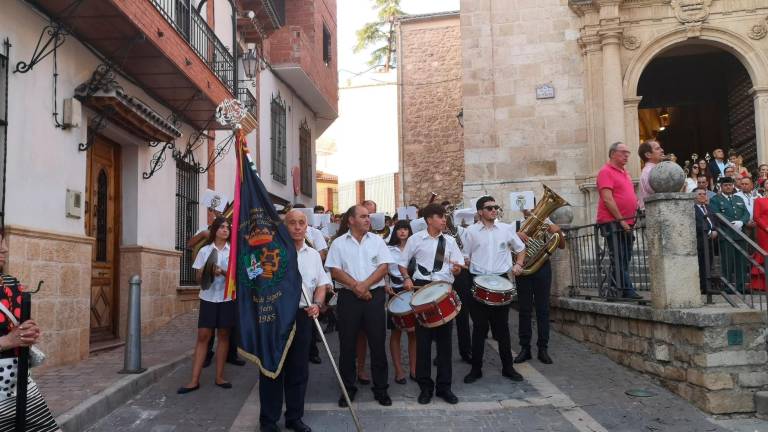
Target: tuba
541	244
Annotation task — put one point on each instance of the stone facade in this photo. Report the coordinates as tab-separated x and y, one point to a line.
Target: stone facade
430	94
62	307
713	357
161	297
592	53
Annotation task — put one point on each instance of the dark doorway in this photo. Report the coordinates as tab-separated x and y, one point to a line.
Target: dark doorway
696	98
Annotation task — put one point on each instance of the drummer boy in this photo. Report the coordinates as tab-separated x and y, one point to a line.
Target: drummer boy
438	259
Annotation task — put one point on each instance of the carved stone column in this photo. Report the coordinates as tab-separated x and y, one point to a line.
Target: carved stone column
632	133
760	95
613	90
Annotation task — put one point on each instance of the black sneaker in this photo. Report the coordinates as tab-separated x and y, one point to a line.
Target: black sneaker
524	355
512	374
383	399
473	376
297	426
425	397
351	392
544	356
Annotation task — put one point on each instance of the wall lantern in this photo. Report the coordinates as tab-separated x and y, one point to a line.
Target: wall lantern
250	63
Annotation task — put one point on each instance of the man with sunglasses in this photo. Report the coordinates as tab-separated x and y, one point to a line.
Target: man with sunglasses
489	245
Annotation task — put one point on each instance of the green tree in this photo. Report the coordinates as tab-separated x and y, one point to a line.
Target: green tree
380	34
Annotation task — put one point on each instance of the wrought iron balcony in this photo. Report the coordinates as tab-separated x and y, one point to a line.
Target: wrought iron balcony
193	28
246	98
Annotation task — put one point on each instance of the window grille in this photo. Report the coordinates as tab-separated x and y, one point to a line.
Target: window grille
187	193
279	148
305	158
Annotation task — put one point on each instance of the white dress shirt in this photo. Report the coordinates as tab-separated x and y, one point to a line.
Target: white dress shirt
424	247
214	294
317	238
313	274
394	267
489	249
359	260
749	201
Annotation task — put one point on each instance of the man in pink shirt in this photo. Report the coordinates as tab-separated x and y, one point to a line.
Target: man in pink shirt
616	209
651	154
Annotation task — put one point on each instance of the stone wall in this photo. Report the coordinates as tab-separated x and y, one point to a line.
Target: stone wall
62	307
431	147
161	297
714	357
514	141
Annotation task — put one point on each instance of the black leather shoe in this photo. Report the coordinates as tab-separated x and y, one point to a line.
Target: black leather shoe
298	426
425	397
447	396
236	361
524	355
632	296
315	359
512	374
383	399
467	358
185	390
351	392
269	428
473	376
544	356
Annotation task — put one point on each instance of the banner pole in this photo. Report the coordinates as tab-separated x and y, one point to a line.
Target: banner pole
333	364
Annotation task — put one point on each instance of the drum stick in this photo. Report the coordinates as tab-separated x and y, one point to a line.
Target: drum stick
333	363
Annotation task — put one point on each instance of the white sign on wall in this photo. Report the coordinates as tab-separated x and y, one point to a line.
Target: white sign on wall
545	91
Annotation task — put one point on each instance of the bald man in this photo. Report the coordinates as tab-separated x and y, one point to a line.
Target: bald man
292	381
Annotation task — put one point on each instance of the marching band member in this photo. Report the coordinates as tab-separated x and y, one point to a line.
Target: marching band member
362	342
358	260
293	379
488	245
401	231
463	287
533	291
438	252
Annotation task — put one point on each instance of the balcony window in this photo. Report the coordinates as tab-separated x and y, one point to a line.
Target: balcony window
278	140
305	158
326	45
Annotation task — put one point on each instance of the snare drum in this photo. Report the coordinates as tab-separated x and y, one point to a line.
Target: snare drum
435	304
493	290
400	311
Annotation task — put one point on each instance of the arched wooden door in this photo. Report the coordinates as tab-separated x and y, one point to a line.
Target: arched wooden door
102	222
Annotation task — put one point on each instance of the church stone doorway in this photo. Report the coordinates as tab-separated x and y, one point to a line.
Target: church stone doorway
696	98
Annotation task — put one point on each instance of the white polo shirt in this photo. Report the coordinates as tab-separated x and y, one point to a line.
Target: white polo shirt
489	249
359	260
424	247
317	238
214	294
313	274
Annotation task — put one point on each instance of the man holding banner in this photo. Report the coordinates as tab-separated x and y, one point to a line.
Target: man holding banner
359	260
293	379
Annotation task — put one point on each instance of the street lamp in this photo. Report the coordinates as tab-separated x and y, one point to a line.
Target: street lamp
250	63
460	117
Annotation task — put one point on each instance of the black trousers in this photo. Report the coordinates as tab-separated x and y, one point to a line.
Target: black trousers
354	315
442	337
497	319
533	291
292	381
463	286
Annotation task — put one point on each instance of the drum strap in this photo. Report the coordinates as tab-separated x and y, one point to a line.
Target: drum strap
439	254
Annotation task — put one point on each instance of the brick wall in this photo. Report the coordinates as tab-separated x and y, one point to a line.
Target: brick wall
300	41
432	149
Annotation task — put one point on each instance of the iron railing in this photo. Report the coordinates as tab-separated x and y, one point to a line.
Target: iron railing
734	266
193	28
246	98
187	202
608	262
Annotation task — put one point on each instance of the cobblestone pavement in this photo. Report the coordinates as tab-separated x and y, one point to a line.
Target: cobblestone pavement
64	387
582	391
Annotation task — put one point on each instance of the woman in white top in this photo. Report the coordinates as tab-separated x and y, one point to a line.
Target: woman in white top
216	312
400	233
692	179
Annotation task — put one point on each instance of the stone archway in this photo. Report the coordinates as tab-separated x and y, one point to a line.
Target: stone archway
755	63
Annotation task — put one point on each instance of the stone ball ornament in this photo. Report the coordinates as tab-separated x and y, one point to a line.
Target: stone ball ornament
667	177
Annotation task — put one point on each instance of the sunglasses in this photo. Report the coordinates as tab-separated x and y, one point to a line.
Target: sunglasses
492	208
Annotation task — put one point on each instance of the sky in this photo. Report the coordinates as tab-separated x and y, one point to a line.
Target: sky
353	14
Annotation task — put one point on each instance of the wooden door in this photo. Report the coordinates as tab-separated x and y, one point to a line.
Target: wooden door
102	222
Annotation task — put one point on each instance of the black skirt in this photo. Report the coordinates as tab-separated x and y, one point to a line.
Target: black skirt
217	315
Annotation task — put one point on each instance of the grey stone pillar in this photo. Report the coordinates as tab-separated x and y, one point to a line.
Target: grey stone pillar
672	259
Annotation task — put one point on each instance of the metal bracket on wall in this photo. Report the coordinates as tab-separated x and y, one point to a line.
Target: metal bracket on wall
99	123
158	160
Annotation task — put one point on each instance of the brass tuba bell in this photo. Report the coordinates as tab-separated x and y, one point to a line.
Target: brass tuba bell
541	244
